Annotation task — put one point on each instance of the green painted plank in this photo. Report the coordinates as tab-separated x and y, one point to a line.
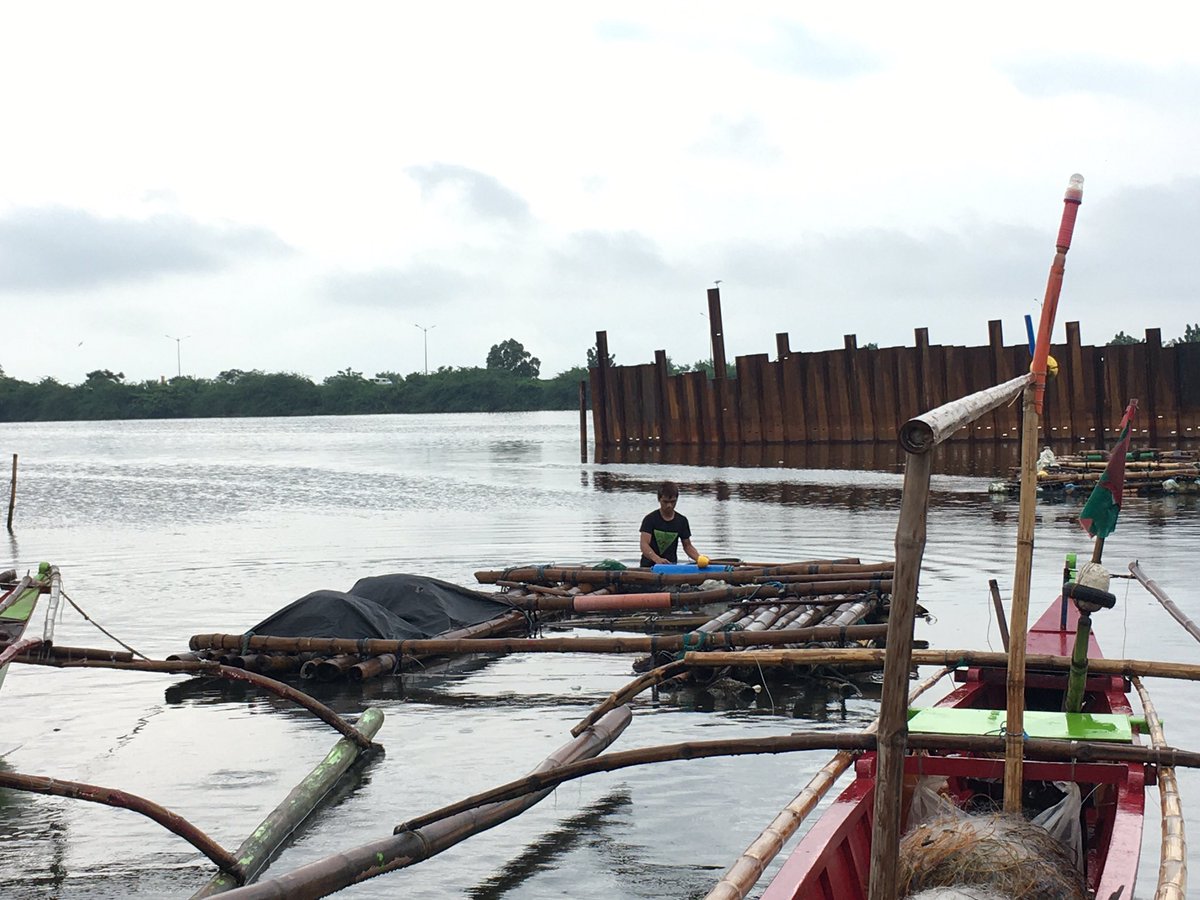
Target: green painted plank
1051	725
23	608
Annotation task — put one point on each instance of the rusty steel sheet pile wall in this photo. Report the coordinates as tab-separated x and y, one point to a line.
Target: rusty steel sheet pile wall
863	395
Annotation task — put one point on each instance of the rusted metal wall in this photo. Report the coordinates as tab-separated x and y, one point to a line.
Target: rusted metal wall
863	395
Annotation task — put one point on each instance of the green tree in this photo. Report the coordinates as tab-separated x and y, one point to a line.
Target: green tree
105	375
1191	335
593	355
511	356
1121	338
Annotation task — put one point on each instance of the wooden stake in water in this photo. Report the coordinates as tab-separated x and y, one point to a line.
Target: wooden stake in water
583	421
12	496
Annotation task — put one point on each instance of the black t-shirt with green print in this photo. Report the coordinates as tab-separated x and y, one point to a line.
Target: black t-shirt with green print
665	536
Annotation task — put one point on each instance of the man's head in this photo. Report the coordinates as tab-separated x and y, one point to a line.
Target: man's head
668	493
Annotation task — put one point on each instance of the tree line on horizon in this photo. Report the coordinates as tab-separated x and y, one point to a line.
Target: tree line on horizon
509	382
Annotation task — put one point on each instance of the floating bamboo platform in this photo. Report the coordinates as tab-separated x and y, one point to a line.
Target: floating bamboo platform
1147	471
727	606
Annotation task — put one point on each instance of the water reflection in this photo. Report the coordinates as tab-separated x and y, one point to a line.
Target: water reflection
543	853
982	458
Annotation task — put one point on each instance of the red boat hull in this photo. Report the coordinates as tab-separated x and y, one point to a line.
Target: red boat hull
833	860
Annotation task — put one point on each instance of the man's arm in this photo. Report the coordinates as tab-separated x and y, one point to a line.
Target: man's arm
689	549
648	552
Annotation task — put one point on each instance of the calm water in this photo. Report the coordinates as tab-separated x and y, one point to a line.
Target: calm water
163	530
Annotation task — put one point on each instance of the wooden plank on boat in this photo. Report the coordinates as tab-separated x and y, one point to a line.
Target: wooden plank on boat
1038	724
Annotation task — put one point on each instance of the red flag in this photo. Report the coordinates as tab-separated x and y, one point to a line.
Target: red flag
1099	515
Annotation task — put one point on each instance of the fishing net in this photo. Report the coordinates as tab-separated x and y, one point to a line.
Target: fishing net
1005	855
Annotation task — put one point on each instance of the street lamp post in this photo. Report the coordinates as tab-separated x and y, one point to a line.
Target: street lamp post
426	331
178	364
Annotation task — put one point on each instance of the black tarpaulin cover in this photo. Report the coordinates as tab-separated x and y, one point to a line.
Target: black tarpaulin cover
390	607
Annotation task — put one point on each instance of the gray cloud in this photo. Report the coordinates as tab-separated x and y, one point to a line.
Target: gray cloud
1131	266
603	257
482	194
406	287
55	248
1088	75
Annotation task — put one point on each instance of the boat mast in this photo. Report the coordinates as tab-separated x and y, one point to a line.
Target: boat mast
1031	411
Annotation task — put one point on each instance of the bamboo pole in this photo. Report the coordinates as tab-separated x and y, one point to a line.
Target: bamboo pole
893	710
184	667
623	695
1032	411
1161	596
629	644
922	433
1172	864
1053	750
12	494
741	877
1019	625
999	606
646	578
256	851
326	876
870	656
17	594
173	822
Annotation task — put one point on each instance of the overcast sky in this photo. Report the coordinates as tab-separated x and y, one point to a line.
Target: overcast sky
294	186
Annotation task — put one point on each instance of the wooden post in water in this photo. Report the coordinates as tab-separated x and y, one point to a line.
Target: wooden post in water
717	332
600	397
583	421
12	496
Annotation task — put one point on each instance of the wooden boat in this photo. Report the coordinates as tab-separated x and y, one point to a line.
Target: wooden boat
855	850
832	861
17	606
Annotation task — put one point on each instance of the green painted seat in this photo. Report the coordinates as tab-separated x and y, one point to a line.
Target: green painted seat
1052	725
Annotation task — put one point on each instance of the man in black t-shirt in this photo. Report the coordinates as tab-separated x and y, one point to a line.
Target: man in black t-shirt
664	530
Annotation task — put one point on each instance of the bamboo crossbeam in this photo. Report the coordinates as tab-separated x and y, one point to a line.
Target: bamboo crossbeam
924	432
9	652
741	877
326	876
868	575
953	658
623	695
625	644
56	653
256	851
186	667
1172	863
1054	750
173	822
579	575
1161	596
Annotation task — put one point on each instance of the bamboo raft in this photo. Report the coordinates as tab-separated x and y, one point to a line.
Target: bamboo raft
836	602
1147	471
